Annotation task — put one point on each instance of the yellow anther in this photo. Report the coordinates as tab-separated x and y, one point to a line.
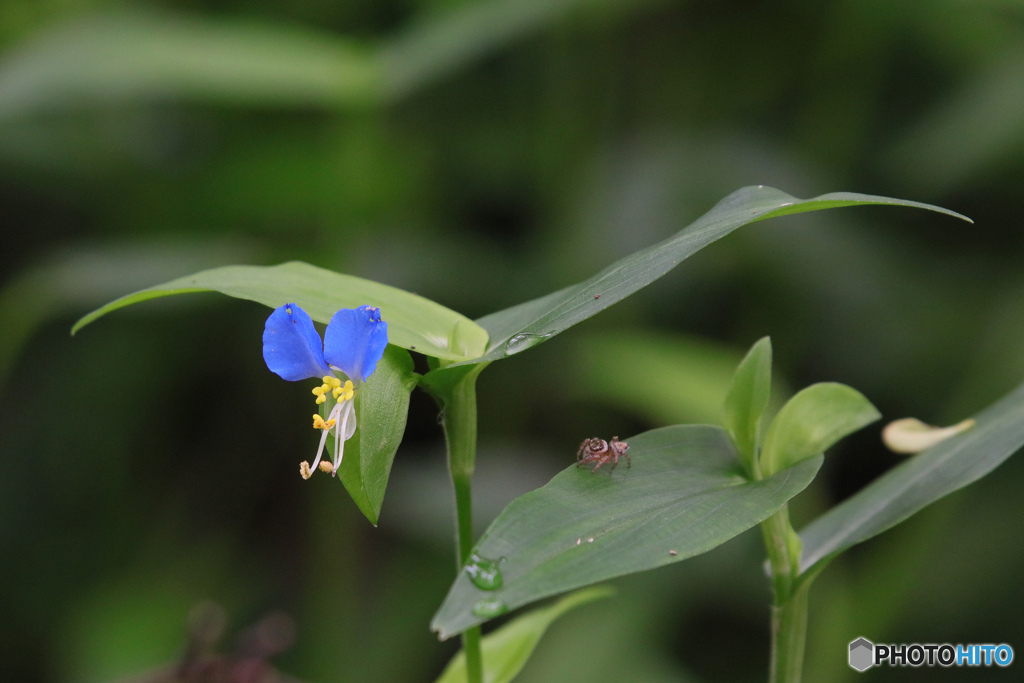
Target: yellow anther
304	470
320	423
344	393
318	391
330	382
320	399
326	467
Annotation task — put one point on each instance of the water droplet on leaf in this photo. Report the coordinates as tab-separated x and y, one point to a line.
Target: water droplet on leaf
485	574
489	607
521	342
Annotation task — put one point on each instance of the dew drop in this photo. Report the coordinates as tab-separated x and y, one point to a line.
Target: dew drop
521	342
485	574
489	607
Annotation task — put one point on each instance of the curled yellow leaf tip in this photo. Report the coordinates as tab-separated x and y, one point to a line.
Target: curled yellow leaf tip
910	435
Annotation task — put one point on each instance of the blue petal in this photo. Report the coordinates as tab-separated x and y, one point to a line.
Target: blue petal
355	341
291	345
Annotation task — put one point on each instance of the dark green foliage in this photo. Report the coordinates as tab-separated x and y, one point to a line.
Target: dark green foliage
150	463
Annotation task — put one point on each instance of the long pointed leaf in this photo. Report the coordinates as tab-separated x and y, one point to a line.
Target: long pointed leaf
147	56
413	321
684	495
747	400
920	481
133	55
518	328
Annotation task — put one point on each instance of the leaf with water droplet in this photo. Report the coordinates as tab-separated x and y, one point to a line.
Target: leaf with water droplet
686	484
521	342
485	574
489	607
518	328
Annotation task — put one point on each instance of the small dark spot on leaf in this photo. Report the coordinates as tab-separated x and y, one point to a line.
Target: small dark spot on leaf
597	296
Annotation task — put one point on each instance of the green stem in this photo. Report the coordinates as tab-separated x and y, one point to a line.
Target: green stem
789	634
464	529
789	608
474	658
459	421
776	536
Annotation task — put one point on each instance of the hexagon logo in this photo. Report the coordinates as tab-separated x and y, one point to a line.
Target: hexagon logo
862	654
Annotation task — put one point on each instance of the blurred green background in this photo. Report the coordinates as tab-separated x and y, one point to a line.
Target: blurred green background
483	152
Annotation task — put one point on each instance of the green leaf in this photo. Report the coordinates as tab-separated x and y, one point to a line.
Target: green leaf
685	494
382	406
812	421
413	321
921	480
146	56
747	400
507	650
516	329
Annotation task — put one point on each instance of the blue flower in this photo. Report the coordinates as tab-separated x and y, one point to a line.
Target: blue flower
353	344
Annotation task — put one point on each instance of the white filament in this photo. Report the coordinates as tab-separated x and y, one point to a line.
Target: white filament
345	412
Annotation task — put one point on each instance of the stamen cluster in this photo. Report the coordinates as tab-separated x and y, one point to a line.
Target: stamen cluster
333	385
341	420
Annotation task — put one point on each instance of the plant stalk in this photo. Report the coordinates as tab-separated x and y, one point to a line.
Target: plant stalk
789	635
776	536
459	421
789	606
